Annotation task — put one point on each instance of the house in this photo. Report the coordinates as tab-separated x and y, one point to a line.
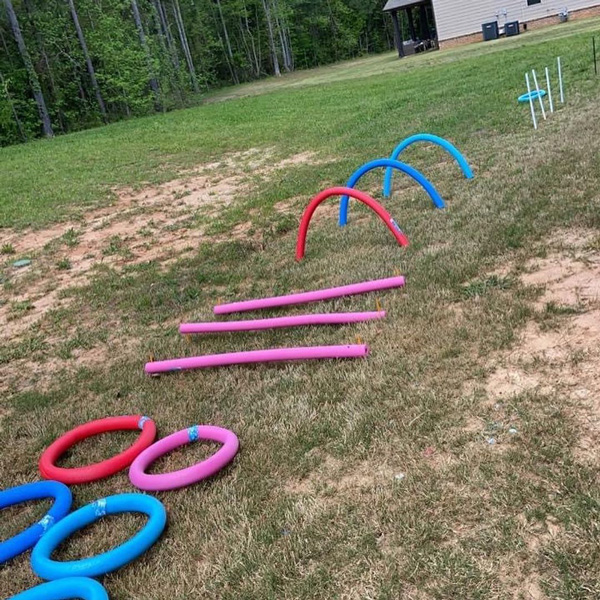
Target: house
451	22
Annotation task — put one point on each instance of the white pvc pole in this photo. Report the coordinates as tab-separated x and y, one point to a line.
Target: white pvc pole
560	82
531	101
549	90
537	87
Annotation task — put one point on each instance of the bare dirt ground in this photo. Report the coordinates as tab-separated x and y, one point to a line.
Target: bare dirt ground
159	223
560	355
156	223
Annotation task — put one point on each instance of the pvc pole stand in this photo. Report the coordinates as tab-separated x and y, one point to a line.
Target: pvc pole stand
280	322
257	356
531	101
539	93
314	296
549	90
560	81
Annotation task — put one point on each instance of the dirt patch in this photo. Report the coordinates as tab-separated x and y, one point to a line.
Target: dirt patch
26	373
535	537
335	477
507	382
538	535
523	587
327	211
566	280
159	223
559	352
4	412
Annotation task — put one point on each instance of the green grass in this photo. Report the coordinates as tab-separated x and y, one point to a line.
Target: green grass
460	93
313	506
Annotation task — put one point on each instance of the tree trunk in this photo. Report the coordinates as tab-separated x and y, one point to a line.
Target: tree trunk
289	48
184	44
166	31
287	63
252	56
258	37
271	39
4	45
88	61
173	74
230	58
22	132
42	48
284	55
33	78
144	43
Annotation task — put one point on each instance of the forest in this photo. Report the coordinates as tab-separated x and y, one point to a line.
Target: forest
67	65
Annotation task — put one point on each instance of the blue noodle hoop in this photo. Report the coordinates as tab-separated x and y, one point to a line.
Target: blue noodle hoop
390	164
433	139
62	589
45	567
34	491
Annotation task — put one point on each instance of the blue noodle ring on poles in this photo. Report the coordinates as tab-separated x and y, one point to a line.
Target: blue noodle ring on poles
97	565
63	589
534	95
393	164
432	139
34	491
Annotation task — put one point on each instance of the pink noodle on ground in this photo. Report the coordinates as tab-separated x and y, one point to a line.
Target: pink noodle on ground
316	296
256	356
295	321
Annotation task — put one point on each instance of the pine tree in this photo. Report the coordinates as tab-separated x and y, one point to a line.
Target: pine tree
33	77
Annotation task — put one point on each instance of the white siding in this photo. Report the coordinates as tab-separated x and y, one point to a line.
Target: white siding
462	17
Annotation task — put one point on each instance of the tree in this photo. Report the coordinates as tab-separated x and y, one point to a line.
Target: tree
4	91
142	35
184	44
284	40
272	46
82	61
33	77
88	60
55	93
165	32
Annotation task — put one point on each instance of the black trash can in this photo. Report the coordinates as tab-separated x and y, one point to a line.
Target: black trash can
512	28
490	31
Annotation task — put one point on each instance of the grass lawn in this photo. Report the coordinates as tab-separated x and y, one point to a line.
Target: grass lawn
458	461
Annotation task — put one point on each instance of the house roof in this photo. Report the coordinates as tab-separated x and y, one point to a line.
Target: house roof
396	4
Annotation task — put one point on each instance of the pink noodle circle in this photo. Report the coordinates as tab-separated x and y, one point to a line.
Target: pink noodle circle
184	477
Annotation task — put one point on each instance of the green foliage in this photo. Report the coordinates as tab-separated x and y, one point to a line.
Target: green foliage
64	264
228	43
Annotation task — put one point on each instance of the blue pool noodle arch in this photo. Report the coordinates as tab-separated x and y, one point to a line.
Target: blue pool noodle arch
425	137
390	164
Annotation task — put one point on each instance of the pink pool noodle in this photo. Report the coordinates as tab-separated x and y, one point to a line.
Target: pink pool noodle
297	321
305	297
256	356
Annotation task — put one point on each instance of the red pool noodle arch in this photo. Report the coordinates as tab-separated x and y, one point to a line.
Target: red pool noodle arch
344	191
